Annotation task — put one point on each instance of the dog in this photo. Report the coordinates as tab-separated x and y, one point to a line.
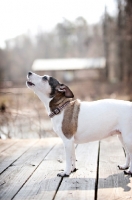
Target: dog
80	122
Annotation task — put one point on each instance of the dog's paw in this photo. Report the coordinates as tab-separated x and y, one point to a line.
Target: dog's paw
63	174
74	170
128	172
122	167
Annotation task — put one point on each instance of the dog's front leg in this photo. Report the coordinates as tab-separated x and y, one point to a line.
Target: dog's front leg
68	145
73	159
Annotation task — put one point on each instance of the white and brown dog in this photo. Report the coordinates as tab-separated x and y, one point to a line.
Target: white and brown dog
80	122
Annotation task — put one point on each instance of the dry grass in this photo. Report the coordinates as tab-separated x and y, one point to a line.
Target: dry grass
24	115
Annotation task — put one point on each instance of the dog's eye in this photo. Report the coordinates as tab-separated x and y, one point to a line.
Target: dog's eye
44	78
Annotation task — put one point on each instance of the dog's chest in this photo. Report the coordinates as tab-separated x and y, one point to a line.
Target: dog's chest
57	124
66	123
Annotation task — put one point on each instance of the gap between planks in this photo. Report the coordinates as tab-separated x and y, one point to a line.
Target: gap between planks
44	180
112	183
10	155
81	184
97	174
42	183
14	177
5	144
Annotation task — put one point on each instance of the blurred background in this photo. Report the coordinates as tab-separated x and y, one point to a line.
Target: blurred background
86	44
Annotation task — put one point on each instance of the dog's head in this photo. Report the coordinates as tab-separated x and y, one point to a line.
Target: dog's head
48	86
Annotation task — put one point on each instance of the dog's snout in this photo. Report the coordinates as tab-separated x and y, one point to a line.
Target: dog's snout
29	74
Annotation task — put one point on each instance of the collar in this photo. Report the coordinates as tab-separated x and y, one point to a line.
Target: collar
57	110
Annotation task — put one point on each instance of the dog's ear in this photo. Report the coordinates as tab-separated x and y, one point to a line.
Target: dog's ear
65	89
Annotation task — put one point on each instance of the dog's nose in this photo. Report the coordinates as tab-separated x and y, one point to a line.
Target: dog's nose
29	74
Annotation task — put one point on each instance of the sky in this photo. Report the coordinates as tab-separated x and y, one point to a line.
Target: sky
21	16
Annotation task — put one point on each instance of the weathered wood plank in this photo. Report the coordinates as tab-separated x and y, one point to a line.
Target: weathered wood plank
5	144
8	156
44	180
16	175
33	176
81	184
112	182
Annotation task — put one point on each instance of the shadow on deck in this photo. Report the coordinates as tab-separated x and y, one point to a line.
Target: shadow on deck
28	170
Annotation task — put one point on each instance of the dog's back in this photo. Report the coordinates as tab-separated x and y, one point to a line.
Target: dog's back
99	119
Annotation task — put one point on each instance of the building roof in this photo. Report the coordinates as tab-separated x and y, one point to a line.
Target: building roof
68	64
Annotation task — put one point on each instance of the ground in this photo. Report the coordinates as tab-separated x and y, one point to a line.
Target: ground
29	170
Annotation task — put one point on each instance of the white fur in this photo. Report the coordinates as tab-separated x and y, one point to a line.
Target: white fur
97	120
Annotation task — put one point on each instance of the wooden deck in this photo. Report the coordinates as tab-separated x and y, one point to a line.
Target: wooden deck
28	170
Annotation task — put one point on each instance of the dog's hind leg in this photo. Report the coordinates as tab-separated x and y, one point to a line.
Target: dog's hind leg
129	171
126	165
129	147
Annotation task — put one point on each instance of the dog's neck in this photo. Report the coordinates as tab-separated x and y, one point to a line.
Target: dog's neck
52	103
58	100
45	100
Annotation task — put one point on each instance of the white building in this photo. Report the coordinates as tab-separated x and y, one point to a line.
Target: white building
72	68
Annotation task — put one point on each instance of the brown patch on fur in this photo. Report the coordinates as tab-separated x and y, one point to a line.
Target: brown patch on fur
70	120
58	100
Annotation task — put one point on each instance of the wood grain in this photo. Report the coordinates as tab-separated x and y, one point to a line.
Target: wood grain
5	144
11	154
81	184
30	170
16	175
113	184
44	180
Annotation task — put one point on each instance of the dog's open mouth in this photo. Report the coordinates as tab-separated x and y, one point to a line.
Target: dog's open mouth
29	83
